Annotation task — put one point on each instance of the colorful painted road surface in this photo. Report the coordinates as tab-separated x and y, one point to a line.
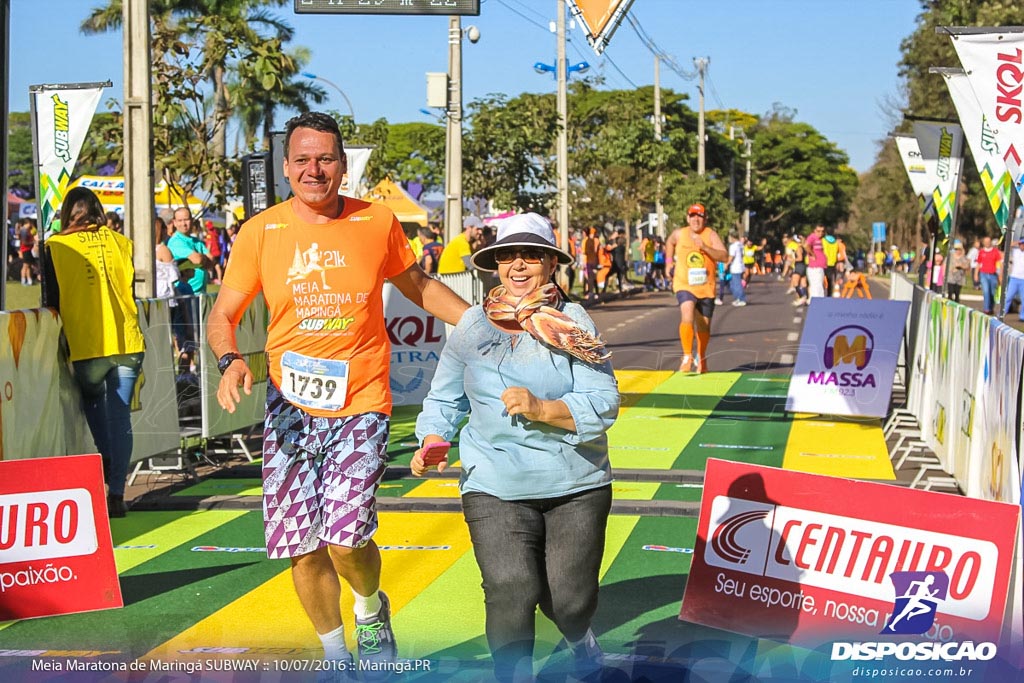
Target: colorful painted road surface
203	602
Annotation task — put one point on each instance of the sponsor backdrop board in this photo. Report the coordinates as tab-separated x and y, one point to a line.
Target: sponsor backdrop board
416	339
56	555
155	401
808	559
847	357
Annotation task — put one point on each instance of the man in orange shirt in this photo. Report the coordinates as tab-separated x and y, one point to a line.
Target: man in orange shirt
321	260
693	252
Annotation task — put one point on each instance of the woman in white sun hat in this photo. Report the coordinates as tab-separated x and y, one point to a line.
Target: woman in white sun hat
533	376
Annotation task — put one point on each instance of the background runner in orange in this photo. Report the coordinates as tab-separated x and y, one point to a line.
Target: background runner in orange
692	253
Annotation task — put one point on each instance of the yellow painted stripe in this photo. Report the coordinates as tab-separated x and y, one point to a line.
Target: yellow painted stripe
838	448
246	622
634	490
635	384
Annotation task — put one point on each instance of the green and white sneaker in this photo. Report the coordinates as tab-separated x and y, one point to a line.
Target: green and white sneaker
376	639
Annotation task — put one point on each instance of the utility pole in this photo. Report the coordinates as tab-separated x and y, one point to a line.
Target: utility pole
657	137
453	130
138	156
563	132
702	65
746	195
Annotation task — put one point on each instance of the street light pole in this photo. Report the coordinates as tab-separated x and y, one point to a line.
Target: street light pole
453	131
563	133
341	92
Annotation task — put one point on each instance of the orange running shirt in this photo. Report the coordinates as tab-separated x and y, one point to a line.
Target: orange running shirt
323	288
690	261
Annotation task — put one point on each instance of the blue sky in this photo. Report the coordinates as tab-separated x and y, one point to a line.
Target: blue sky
833	61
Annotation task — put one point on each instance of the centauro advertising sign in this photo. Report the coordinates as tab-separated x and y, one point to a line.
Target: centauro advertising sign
809	559
56	555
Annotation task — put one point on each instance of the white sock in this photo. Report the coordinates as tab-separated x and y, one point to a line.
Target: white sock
366	606
588	637
334	644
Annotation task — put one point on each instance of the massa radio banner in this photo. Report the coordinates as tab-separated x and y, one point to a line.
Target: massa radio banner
809	559
847	357
56	555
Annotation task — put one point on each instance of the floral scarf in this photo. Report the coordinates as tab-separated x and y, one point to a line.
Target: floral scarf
537	315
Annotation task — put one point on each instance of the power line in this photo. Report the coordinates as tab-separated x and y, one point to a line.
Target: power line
714	93
649	43
616	67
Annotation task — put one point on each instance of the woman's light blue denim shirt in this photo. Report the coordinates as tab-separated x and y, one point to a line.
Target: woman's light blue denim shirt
509	456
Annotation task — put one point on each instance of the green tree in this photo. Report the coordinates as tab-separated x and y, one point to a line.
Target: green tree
255	105
508	150
801	177
415	152
19	153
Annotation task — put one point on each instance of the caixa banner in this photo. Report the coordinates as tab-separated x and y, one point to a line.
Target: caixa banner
56	555
808	559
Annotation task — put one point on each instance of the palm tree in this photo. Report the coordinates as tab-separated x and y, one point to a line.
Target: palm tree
255	106
227	29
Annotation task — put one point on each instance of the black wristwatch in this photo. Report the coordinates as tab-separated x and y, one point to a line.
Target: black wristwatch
227	359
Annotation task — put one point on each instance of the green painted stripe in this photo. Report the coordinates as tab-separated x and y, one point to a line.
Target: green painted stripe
741	428
690	493
224	487
642	590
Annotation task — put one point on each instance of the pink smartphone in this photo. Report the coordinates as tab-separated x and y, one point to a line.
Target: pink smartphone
435	452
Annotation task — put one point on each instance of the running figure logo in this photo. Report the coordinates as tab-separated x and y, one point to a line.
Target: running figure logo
917	596
305	263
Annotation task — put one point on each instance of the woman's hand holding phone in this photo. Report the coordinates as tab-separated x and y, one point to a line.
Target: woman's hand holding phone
433	453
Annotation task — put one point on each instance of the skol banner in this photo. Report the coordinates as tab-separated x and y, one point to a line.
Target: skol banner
994	63
921	180
919	367
416	341
984	147
62	115
935	411
994	473
941	146
847	357
967	341
808	559
56	555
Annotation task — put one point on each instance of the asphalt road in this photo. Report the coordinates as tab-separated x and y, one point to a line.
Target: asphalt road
642	330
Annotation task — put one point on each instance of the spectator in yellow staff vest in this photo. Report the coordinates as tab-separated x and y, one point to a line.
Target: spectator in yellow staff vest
693	252
93	275
455	257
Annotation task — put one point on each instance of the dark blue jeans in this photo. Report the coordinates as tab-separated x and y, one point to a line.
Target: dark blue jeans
989	283
542	552
107	386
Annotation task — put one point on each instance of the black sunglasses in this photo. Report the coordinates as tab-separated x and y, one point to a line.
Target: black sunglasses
530	255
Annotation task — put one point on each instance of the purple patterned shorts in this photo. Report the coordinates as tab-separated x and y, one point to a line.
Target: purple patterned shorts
320	477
